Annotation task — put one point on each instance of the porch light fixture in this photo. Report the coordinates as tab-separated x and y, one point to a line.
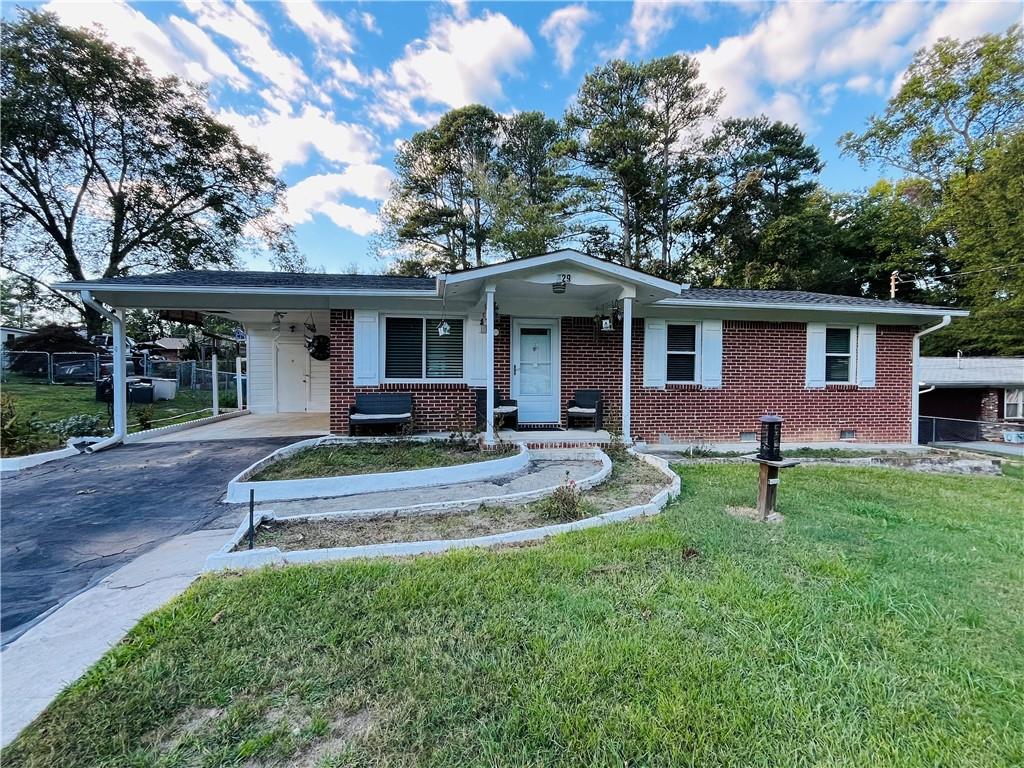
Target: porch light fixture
558	287
444	328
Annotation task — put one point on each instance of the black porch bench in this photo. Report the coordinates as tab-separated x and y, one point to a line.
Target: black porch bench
373	409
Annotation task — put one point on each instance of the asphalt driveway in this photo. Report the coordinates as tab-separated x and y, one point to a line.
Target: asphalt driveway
69	523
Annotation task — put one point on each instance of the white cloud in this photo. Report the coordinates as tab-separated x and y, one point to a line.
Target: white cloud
460	9
369	22
321	194
324	29
217	63
776	65
290	139
967	20
254	48
460	62
130	28
563	30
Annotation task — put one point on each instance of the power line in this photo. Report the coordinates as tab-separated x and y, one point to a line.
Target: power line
957	274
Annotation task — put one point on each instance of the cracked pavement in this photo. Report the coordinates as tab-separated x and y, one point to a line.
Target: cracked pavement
69	523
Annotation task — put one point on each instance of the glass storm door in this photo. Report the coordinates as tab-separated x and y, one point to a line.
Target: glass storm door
534	371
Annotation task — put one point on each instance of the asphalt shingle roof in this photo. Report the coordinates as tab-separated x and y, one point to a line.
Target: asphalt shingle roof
770	297
296	280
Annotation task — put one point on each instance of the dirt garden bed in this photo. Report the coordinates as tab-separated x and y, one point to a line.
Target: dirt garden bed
366	458
630	483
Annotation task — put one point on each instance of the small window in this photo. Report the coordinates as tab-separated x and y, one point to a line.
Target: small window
1013	404
682	354
413	349
838	355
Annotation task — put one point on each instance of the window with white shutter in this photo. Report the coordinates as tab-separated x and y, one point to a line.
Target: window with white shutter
415	350
681	364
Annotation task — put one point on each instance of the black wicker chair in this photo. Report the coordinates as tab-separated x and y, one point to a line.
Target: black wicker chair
506	411
586	406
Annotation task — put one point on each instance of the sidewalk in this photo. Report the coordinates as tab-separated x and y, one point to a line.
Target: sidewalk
55	652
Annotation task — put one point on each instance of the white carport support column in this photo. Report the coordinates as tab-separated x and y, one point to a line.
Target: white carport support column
238	384
489	435
215	384
915	401
627	366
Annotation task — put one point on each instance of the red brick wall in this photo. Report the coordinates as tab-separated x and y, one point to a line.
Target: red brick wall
762	372
436	407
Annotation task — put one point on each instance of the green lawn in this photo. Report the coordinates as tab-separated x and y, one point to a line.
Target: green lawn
53	402
880	625
390	456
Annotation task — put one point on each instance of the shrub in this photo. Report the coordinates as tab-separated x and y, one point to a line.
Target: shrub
19	436
616	448
77	426
228	398
145	415
566	503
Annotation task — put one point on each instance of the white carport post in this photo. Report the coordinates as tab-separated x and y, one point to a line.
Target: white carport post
215	384
120	393
489	435
627	365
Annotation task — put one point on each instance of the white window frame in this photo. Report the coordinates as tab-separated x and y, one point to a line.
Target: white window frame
852	375
1018	401
426	317
696	351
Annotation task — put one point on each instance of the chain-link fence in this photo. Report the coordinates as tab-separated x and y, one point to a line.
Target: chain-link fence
935	429
28	367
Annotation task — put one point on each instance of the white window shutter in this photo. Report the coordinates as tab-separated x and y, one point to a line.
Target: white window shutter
655	352
865	355
815	375
711	354
367	349
476	355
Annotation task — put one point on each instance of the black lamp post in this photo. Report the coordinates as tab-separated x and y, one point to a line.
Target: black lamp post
771	438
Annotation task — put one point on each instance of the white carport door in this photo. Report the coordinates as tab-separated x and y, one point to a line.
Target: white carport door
292	377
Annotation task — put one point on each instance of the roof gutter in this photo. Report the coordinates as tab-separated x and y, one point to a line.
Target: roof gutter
120	381
915	402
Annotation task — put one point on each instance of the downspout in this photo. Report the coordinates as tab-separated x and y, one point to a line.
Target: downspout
120	382
915	404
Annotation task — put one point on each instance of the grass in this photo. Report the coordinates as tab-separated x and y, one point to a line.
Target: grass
53	402
390	456
879	625
631	482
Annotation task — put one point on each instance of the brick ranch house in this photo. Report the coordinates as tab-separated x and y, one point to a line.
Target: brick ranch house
673	363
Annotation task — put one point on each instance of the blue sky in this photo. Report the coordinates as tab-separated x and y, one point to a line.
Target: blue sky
328	88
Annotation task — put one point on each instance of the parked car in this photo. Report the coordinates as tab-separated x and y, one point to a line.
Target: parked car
76	370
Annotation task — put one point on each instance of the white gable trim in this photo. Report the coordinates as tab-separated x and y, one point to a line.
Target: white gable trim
598	265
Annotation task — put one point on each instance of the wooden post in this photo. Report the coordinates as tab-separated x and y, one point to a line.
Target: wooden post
768	485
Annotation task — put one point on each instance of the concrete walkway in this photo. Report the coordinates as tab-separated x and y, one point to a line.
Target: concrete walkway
1014	450
57	650
252	425
539	474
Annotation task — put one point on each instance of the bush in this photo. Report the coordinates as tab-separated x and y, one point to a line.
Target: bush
20	436
144	415
566	503
228	398
85	424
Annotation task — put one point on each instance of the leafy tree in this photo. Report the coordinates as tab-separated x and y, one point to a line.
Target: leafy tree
759	171
23	301
438	212
985	211
679	104
957	98
105	169
613	132
532	197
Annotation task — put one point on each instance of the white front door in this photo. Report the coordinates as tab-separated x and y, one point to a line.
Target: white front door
292	378
535	374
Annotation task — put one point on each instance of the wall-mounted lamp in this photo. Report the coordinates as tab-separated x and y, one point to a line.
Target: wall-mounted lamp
443	328
558	287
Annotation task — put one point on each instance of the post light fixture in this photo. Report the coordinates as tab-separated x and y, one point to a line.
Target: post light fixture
771	439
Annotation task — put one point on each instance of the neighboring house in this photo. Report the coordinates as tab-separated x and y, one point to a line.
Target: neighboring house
697	364
973	388
9	333
167	347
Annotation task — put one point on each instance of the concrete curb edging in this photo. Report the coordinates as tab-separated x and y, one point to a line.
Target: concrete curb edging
18	463
350	485
256	558
135	437
435	507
